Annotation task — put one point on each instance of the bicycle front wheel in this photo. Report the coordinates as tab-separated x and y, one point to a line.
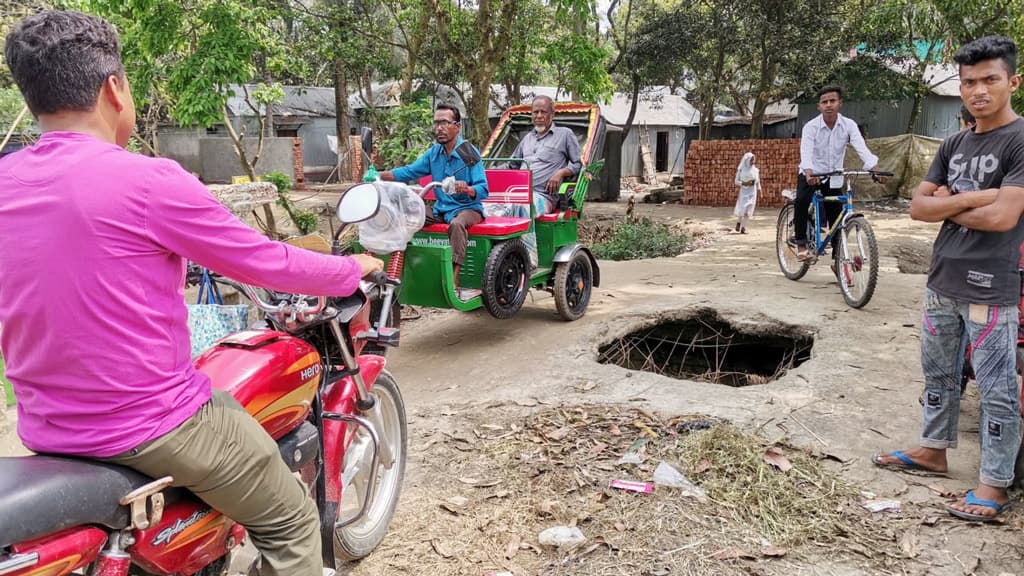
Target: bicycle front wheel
785	245
857	265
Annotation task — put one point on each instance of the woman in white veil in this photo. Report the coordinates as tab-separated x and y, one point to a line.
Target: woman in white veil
749	180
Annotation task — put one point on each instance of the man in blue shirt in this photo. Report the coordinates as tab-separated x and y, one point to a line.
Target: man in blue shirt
462	209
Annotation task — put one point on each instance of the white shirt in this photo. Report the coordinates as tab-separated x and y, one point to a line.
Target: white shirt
823	149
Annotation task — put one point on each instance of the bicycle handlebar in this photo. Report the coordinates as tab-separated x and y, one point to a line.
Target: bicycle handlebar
872	173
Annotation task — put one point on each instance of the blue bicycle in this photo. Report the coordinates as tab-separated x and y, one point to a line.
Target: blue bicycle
855	259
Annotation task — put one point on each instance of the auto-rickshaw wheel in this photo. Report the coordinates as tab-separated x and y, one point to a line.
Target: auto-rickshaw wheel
505	278
574	282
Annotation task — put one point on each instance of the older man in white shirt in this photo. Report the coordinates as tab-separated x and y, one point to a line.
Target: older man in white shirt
823	149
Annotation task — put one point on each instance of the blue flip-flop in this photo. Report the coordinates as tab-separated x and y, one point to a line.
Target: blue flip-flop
972	500
905	464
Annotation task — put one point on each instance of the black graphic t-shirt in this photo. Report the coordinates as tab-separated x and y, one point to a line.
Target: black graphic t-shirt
972	265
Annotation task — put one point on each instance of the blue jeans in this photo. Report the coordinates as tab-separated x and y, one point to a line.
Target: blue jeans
992	331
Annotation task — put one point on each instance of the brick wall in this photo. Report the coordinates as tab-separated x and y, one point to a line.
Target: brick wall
298	164
711	170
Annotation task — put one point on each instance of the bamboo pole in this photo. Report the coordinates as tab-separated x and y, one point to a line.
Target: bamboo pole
10	131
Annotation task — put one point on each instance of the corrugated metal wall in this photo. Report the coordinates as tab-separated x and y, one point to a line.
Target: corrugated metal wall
632	163
939	116
314	132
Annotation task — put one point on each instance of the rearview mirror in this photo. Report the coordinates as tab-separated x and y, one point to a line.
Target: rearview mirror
366	139
359	203
466	151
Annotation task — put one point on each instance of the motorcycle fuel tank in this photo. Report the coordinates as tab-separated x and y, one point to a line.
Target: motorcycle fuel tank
274	375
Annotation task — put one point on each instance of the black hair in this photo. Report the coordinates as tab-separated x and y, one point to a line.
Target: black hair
988	48
60	60
966	115
453	108
830	88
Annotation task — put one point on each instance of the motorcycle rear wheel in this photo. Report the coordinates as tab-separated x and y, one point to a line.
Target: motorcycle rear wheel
358	540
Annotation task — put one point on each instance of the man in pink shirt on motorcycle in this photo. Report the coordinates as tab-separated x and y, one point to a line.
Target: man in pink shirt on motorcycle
92	311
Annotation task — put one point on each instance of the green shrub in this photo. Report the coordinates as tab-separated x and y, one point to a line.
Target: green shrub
306	221
641	239
281	180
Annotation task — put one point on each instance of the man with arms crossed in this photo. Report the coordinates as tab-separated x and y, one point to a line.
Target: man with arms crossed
975	187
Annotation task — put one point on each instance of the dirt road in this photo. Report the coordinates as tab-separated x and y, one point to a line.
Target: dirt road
857	394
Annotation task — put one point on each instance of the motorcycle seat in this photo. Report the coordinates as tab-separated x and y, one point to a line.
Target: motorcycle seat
42	494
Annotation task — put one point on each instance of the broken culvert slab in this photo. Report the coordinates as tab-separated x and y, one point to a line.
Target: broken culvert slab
700	345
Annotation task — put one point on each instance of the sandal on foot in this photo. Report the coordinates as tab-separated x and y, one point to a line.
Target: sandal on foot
972	500
905	464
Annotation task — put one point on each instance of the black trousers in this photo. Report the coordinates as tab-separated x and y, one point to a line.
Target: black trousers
804	194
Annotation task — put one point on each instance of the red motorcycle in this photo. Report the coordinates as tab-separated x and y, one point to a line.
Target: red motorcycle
335	412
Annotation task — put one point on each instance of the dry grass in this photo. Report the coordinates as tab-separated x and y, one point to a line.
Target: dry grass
486	491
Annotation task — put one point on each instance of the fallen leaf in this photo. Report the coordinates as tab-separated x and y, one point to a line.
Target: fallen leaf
500	494
972	566
732	554
614	429
455	504
512	548
941	490
773	551
547	507
469	480
586	387
908	544
774	457
443	549
620	526
597	449
703	466
560	434
487	483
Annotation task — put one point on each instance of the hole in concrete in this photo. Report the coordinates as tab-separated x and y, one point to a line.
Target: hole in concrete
707	348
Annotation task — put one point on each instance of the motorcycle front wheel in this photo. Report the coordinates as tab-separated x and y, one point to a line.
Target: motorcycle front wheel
357	540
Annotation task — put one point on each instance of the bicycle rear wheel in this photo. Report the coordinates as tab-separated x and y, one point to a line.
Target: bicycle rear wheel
857	265
785	245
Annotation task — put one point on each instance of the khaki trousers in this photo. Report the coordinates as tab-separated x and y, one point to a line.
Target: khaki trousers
223	456
458	238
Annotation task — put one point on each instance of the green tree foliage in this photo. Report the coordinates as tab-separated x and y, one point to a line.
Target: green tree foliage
910	35
406	133
792	45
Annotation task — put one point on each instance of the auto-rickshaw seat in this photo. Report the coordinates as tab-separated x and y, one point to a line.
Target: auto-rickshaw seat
505	186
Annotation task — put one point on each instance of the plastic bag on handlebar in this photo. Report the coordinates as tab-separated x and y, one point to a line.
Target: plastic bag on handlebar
401	214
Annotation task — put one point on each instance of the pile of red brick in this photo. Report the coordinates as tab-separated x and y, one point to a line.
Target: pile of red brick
711	170
298	164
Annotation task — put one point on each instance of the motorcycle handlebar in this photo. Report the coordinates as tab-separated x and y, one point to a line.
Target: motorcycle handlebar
298	309
381	279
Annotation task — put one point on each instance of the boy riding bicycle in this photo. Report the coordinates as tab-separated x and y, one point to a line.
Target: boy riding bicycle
823	149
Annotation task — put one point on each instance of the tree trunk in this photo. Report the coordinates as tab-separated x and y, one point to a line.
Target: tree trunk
270	227
920	93
342	123
480	81
632	106
412	59
766	78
